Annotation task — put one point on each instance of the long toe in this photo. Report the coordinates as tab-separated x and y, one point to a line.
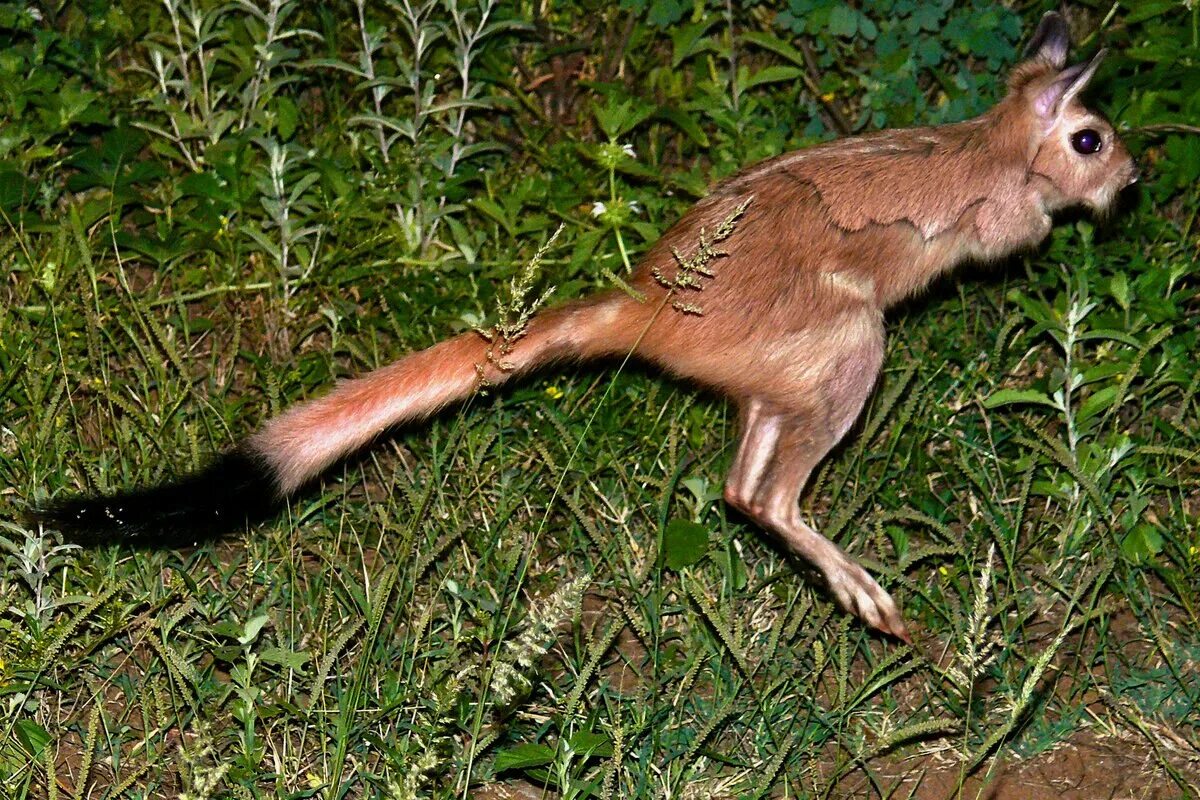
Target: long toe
861	595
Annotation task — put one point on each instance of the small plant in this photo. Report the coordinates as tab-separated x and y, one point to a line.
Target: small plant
287	198
513	315
202	771
692	270
419	117
38	561
510	673
198	100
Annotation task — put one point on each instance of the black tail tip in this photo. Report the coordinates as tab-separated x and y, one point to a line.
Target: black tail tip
235	489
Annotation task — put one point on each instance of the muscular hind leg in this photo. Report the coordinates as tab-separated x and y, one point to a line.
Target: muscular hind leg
778	450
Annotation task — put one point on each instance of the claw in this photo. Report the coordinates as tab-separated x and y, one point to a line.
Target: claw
892	625
859	594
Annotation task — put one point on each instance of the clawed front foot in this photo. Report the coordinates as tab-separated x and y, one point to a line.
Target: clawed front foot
859	594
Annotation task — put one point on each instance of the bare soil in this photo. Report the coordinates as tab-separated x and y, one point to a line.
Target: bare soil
1086	767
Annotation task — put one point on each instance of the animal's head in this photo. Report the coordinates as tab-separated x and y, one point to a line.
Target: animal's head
1074	153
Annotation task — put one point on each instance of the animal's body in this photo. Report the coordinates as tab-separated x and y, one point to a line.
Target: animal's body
792	324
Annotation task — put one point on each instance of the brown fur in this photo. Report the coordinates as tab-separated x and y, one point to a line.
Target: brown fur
792	323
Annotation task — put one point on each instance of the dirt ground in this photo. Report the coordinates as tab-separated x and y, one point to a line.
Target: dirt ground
1084	768
1087	766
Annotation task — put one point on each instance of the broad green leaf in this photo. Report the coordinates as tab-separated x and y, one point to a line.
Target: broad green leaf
1118	287
590	743
1097	403
524	756
34	737
684	543
775	45
495	211
251	629
689	40
286	116
843	20
15	189
773	74
1109	333
1142	543
686	124
665	12
292	659
1006	397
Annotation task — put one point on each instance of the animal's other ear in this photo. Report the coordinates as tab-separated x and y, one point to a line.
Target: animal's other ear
1051	40
1070	82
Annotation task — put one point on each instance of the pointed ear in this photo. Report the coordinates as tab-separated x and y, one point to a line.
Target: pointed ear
1070	82
1051	40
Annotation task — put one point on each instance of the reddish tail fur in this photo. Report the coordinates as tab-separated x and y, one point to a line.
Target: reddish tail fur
306	439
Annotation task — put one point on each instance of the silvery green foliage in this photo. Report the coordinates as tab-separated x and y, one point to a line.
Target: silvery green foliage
285	189
35	559
199	100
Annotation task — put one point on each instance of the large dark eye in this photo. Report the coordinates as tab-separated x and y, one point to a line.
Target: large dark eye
1086	141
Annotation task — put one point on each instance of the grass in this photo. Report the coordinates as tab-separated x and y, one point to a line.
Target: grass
542	590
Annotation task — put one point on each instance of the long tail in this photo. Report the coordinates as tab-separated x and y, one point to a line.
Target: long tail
253	480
